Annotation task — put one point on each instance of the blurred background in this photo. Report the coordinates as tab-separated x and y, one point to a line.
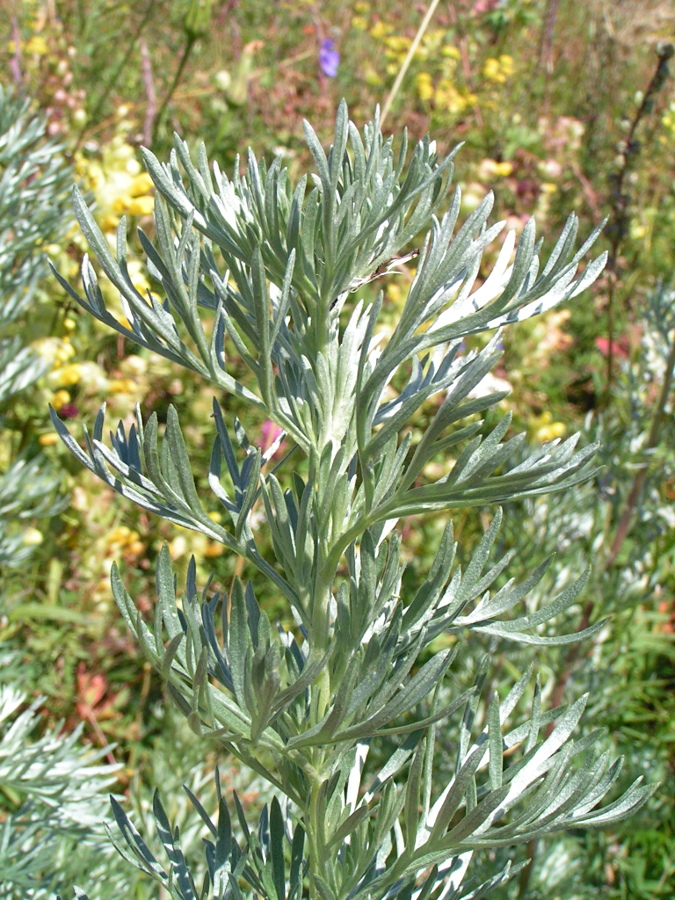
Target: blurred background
561	107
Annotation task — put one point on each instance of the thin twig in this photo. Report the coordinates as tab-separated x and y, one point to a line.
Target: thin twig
408	59
90	716
653	438
466	64
15	62
188	94
618	228
545	57
151	105
187	50
589	193
112	81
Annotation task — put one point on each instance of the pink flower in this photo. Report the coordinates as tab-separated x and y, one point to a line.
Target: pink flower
271	435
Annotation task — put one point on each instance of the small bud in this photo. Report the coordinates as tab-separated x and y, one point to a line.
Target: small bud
222	80
197	19
32	537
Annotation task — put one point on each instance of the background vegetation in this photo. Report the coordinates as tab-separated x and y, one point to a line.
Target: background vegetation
543	95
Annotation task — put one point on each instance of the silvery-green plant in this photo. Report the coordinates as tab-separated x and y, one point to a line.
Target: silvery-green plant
340	714
34	183
53	786
622	522
53	798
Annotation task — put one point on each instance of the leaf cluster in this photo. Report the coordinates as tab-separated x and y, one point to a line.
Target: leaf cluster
255	269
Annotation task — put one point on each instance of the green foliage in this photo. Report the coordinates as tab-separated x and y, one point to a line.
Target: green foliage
255	267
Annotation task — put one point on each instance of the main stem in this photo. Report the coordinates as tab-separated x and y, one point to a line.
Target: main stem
321	692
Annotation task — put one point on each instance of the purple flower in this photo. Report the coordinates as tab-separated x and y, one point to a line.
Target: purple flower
329	58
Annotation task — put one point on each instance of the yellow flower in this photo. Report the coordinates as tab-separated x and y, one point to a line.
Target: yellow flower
381	29
140	206
394	293
506	64
491	70
49	439
668	120
425	87
65	376
36	44
431	44
498	69
119	535
212	548
110	223
116	180
123	540
359	23
122	386
545	429
447	97
399	44
490	168
503	169
141	184
60	399
549	433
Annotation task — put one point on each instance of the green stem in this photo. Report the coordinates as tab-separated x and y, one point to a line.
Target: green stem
526	873
626	520
112	81
314	828
187	50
